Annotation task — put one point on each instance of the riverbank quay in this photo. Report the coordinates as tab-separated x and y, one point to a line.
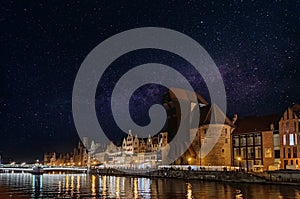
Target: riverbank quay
226	176
272	177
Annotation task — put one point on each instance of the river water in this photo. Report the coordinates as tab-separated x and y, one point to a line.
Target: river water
19	185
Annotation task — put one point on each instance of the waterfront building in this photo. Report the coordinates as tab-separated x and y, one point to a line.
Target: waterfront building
210	117
79	157
289	138
136	152
255	143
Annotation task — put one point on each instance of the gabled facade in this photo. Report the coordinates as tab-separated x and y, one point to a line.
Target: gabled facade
289	138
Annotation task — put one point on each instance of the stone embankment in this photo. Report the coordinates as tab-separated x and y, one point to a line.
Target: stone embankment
225	176
272	177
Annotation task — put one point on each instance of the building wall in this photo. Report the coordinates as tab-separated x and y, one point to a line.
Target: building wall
79	157
268	149
277	161
289	140
254	150
247	149
218	155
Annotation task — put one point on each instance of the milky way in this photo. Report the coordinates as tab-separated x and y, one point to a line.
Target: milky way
255	45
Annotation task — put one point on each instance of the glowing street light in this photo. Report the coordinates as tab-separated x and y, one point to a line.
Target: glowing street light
189	160
239	160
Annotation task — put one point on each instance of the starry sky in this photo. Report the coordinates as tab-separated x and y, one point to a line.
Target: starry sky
255	45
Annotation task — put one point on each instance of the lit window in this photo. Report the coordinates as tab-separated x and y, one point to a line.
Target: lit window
284	139
292	141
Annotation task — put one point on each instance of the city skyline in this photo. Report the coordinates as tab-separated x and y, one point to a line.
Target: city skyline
254	44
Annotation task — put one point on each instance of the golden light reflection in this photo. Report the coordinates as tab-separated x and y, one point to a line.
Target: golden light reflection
59	187
189	194
118	187
135	188
67	184
78	184
72	185
239	194
104	185
93	189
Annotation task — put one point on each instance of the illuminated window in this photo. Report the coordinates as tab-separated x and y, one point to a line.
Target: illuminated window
292	141
268	153
284	139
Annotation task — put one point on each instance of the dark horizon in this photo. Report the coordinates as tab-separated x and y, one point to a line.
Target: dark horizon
255	45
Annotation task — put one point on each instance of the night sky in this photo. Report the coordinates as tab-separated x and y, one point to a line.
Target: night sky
255	45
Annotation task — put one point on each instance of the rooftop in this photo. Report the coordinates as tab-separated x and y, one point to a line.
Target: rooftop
256	123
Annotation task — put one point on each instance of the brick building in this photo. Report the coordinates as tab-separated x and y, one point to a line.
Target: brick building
254	143
79	157
211	117
289	138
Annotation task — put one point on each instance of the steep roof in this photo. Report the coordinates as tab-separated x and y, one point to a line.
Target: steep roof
212	114
256	123
185	95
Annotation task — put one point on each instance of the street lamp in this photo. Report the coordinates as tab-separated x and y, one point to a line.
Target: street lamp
189	160
239	160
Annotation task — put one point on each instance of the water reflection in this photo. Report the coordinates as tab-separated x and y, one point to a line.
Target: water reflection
189	194
37	185
93	186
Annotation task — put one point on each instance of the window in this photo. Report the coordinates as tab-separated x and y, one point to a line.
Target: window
268	153
258	139
283	152
287	127
257	162
226	140
284	140
258	152
243	152
243	140
289	153
236	152
250	140
292	162
277	153
250	153
236	141
292	141
294	152
297	162
222	150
